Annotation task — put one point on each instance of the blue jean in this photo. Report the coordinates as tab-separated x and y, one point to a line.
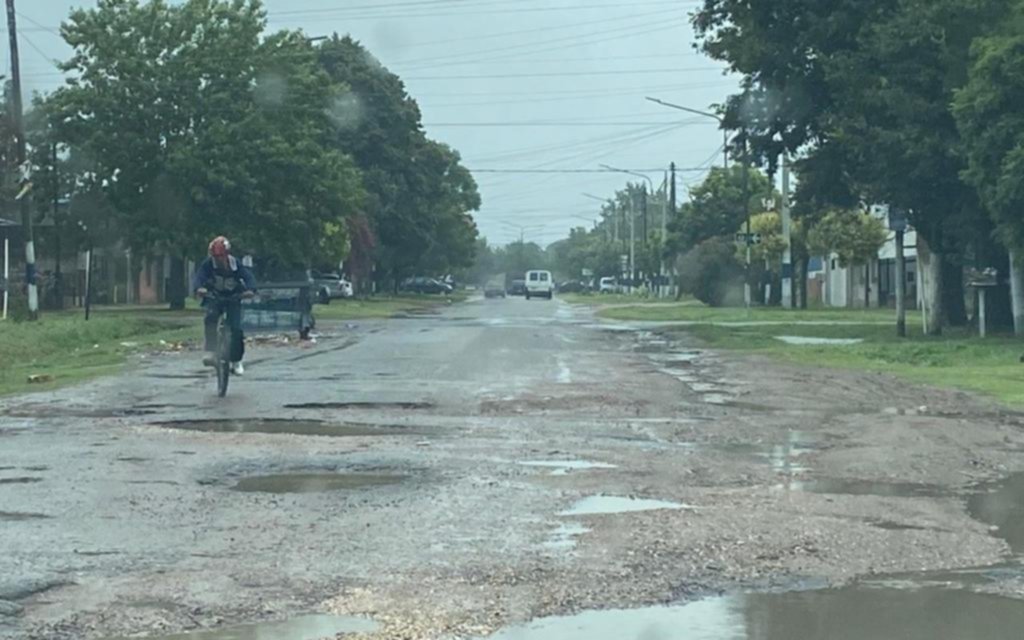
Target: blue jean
233	310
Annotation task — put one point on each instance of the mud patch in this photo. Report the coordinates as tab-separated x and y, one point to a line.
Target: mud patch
405	406
853	613
605	505
286	427
132	459
312	627
314	482
890	525
36	467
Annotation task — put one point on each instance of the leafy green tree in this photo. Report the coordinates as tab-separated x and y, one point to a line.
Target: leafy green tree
867	83
195	124
987	112
716	207
420	195
853	236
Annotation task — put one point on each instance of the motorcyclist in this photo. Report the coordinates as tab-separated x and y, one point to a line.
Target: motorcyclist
223	275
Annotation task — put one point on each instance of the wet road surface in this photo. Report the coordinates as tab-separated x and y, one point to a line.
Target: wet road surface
508	467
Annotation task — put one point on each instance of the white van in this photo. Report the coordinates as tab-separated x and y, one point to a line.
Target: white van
608	285
539	284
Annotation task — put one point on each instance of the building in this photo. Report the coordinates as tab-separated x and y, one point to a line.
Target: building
869	285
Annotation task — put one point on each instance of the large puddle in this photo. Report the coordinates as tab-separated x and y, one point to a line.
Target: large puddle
604	505
854	613
313	627
867	488
314	482
287	427
1002	505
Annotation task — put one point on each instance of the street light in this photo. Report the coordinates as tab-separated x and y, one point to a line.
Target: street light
706	114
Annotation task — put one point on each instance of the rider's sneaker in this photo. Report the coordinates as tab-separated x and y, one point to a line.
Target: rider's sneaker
209	360
237	368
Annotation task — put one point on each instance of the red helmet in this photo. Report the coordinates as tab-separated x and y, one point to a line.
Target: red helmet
220	247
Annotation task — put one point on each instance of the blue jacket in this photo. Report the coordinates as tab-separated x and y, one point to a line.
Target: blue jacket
236	278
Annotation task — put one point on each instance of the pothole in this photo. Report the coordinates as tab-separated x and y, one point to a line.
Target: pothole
999	504
604	505
564	537
851	613
286	427
812	342
871	488
405	406
311	627
314	482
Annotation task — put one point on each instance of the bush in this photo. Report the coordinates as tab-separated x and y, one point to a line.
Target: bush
711	273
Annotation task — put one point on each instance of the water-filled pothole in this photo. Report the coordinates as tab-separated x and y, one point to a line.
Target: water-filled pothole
20	480
405	406
19	516
312	627
288	427
853	613
314	482
603	505
1002	504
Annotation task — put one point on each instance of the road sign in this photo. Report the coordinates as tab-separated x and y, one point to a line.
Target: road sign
748	238
588	273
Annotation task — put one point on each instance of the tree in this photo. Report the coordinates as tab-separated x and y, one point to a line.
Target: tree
869	81
854	237
716	207
420	195
711	273
178	110
987	112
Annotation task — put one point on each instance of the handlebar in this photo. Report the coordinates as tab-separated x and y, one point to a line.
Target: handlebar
229	297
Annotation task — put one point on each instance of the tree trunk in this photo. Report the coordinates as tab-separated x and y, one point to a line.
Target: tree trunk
176	283
930	268
1017	290
953	301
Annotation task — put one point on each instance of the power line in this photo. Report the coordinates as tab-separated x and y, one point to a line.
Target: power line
560	74
658	170
351	13
540	123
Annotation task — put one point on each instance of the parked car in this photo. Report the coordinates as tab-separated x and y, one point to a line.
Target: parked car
426	285
517	288
608	285
573	286
494	289
539	284
331	286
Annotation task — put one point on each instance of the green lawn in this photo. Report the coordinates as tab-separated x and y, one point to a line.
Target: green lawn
956	360
601	299
692	311
67	348
382	306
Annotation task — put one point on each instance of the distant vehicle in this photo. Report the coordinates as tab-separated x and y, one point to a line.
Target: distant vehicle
608	285
426	285
331	286
539	284
517	288
573	286
494	289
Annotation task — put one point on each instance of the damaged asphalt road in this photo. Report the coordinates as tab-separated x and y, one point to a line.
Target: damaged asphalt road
512	468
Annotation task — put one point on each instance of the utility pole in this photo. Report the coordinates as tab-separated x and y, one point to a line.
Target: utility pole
58	284
632	243
746	214
672	208
19	138
898	223
787	238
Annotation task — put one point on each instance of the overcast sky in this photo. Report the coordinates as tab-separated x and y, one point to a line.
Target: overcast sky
486	73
